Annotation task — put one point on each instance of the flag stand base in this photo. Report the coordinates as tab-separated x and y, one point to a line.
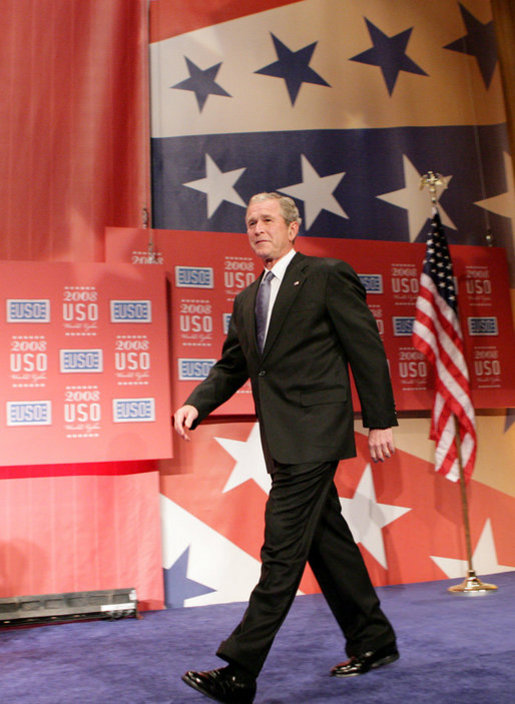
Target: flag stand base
472	586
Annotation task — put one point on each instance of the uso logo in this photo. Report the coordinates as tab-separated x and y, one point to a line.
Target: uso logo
373	283
74	361
226	319
29	413
23	310
131	311
134	410
194	277
402	325
192	369
482	326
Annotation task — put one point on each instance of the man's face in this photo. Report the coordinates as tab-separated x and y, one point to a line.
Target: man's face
269	235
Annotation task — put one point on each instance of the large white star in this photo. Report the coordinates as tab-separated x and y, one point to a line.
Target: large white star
416	200
316	192
366	517
484	559
250	462
218	186
504	203
214	561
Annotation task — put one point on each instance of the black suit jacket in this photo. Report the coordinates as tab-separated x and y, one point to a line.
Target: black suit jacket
320	326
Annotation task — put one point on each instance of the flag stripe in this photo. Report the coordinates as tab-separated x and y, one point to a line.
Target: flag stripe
431	303
450	385
447	356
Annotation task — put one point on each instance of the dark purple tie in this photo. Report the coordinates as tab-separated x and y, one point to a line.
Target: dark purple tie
262	303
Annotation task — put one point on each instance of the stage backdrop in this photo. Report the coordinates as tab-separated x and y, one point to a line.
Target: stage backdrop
223	469
343	105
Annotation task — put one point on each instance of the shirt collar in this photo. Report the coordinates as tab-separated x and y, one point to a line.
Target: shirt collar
279	268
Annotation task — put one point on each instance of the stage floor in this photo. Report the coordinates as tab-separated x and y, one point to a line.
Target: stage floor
452	648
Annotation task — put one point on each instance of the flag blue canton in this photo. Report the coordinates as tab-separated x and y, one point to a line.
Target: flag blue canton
438	264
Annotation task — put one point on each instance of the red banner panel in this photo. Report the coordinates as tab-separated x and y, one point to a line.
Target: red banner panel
207	270
84	362
390	271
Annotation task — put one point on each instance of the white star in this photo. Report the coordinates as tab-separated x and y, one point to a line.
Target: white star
218	186
366	517
484	559
416	200
316	192
250	462
503	204
214	560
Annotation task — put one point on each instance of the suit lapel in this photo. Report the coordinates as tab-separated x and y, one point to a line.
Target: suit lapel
291	285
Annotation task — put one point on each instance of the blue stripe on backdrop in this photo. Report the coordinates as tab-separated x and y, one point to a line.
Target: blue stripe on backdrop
452	647
348	183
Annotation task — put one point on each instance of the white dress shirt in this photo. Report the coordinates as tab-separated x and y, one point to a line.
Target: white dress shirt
278	270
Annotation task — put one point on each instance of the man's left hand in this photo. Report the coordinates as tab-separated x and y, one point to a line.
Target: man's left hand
380	444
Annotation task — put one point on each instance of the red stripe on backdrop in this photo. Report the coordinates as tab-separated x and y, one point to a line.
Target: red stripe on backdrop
75	470
168	18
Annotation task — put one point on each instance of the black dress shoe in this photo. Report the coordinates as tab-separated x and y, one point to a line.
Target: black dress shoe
359	664
222	685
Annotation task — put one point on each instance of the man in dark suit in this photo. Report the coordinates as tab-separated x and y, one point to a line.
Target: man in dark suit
295	333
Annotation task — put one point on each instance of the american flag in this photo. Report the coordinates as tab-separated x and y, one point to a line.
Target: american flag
437	334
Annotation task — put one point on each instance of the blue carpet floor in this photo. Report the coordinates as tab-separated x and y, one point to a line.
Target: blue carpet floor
453	649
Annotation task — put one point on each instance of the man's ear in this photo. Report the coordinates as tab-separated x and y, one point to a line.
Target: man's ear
293	230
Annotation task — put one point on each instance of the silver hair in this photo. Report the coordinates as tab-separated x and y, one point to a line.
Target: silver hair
289	210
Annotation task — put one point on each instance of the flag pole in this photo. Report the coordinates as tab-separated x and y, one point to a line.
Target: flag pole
471	585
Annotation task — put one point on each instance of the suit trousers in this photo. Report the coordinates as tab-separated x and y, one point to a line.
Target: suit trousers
303	523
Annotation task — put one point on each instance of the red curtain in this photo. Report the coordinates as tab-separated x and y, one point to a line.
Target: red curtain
74	157
73	125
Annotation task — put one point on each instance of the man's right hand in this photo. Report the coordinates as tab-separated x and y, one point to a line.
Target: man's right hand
183	420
